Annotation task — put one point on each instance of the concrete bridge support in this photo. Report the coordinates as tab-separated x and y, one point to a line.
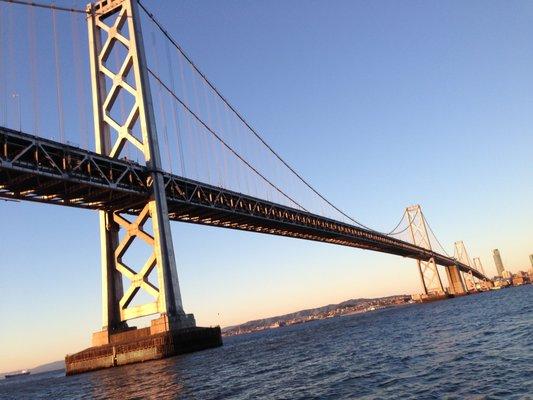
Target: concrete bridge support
113	24
457	287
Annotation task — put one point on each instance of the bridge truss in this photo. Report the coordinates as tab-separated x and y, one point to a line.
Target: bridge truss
41	170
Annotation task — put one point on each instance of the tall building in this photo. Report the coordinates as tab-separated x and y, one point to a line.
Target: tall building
498	261
531	259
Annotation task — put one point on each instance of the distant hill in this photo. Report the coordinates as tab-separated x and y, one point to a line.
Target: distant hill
346	307
53	366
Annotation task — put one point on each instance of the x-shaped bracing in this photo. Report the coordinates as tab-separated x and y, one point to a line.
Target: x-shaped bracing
139	280
119	82
428	269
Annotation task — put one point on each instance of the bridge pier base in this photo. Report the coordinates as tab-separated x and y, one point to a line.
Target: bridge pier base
426	298
455	281
159	325
132	345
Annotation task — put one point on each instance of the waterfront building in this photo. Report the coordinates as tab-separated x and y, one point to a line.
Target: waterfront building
518	279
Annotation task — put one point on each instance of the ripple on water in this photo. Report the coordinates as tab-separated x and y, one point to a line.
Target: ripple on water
473	347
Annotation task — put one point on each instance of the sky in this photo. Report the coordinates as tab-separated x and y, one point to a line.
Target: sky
380	104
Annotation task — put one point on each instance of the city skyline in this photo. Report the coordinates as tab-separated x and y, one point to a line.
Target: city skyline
270	275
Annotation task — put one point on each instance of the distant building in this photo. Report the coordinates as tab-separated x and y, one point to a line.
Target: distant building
507	274
531	259
519	280
498	261
501	283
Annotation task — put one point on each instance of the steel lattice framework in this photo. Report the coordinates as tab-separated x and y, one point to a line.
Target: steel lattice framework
478	265
462	255
37	169
113	24
429	273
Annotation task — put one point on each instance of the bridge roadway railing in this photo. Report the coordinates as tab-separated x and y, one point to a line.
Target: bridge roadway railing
42	170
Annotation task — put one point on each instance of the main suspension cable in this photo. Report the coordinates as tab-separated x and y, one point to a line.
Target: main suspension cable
397	225
49	6
54	8
433	233
44	5
240	117
222	140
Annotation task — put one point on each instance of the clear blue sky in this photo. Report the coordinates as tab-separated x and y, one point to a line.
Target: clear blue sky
380	104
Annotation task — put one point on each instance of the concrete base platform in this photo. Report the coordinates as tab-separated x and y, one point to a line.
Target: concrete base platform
426	298
139	345
434	297
459	294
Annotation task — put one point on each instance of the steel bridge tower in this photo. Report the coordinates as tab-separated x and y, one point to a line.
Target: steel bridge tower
485	284
478	265
429	274
461	255
113	23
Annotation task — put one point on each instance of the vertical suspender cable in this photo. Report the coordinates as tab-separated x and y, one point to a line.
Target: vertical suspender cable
34	82
58	79
202	136
174	110
161	104
231	126
3	89
250	179
247	182
188	117
209	138
223	152
80	91
10	69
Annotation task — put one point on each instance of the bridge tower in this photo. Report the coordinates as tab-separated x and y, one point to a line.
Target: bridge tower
429	274
478	265
112	24
486	284
117	23
455	281
461	255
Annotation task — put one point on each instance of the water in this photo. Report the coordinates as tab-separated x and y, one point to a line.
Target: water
473	347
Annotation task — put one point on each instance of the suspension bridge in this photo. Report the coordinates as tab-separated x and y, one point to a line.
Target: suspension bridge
164	145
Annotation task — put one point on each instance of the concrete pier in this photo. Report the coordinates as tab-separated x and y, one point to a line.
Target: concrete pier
426	298
457	287
139	345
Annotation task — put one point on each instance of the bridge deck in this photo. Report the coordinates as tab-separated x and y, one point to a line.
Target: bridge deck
37	169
